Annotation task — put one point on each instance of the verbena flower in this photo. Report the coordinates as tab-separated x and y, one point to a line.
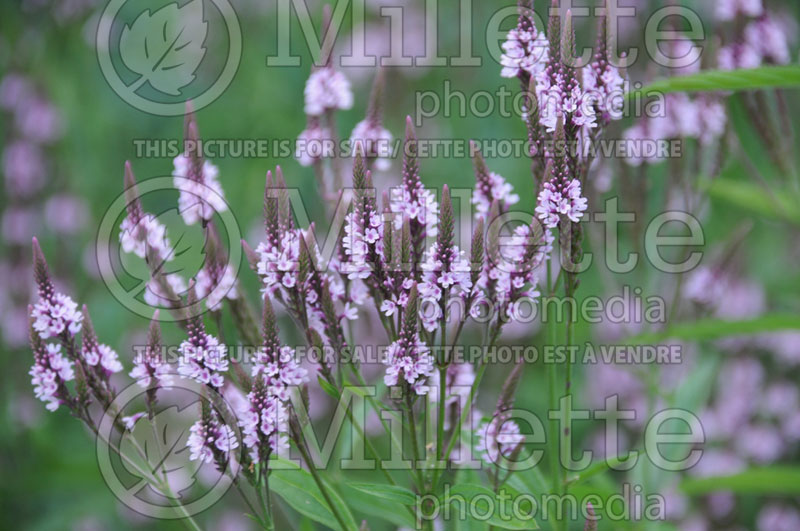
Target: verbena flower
498	437
49	374
327	89
374	140
196	179
408	359
525	50
559	198
215	282
203	359
54	314
201	194
311	142
211	440
155	294
489	186
727	10
150	369
275	371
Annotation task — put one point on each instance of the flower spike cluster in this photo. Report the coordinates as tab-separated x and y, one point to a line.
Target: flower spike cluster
408	359
265	422
203	358
201	194
50	372
55	314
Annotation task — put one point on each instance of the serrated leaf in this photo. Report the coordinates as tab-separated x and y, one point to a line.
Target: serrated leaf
166	47
784	480
709	329
498	511
394	493
726	80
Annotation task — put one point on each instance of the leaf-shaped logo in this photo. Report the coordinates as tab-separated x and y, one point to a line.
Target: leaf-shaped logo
166	47
160	444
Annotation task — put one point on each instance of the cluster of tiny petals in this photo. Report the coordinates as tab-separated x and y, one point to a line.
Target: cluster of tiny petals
50	370
266	418
213	286
154	295
765	41
278	264
56	314
147	233
515	278
498	437
201	196
151	369
327	89
311	144
496	189
375	141
440	273
420	206
209	436
202	359
555	201
703	118
360	238
557	100
103	356
409	361
604	85
727	10
525	50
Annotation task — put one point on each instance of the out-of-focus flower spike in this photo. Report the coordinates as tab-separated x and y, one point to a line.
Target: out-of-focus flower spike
591	518
50	372
375	106
132	200
554	32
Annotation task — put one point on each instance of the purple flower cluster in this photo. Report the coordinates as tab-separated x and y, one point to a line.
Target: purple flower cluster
560	198
203	358
264	421
50	371
500	436
525	50
201	195
327	89
408	359
209	439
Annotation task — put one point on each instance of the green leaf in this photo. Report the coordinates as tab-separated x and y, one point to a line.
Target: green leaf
774	204
394	493
327	387
379	507
724	80
298	488
482	501
783	480
708	329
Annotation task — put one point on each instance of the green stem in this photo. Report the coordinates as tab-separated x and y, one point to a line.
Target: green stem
320	484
